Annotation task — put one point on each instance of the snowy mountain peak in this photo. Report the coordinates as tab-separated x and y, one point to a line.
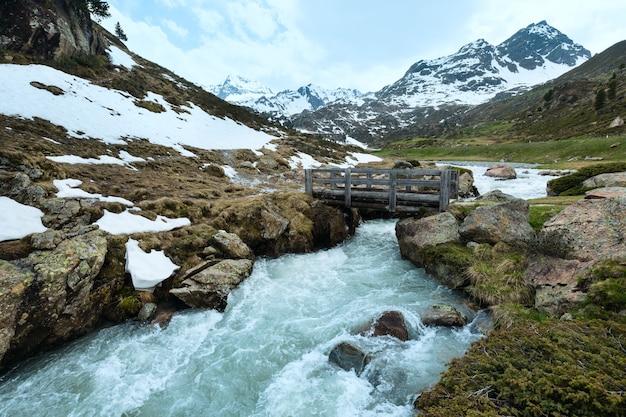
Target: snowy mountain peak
539	43
255	95
238	89
475	74
478	71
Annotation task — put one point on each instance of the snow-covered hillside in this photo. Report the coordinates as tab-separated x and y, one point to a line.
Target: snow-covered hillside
87	110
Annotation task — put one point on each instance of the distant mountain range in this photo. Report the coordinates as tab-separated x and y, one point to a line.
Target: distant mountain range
247	93
477	73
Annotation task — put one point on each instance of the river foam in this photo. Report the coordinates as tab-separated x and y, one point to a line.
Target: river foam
267	354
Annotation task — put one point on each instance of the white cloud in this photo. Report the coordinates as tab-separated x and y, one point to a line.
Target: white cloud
175	28
250	18
365	45
209	20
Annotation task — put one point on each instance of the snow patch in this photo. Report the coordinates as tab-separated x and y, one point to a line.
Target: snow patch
67	189
128	223
147	270
18	220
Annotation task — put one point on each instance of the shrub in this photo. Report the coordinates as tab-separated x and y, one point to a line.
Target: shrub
555	368
499	278
572	184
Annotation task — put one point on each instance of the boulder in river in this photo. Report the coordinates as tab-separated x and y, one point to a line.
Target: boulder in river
505	172
443	315
210	287
349	357
391	323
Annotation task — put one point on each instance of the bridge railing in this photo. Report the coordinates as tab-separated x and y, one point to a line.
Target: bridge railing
394	190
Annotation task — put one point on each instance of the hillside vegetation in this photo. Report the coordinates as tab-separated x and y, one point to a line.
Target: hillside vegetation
567	121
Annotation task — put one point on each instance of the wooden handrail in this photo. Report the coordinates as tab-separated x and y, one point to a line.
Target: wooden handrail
389	189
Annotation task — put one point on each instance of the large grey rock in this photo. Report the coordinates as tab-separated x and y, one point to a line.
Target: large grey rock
232	246
443	315
466	186
555	282
505	222
349	357
496	196
210	287
414	235
593	229
613	179
52	296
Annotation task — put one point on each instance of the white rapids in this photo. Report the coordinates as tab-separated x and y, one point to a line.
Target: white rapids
267	354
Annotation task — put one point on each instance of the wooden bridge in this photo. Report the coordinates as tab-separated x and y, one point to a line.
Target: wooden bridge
393	190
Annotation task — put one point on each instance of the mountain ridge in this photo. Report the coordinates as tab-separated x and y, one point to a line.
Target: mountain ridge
476	73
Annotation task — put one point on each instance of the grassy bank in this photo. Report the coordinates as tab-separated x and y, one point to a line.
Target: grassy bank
566	153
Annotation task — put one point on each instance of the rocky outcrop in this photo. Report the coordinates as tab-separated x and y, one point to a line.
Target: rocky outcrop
210	287
53	296
280	223
505	222
593	229
20	188
443	315
505	172
49	30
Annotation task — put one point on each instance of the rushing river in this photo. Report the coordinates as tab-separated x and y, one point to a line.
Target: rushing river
267	354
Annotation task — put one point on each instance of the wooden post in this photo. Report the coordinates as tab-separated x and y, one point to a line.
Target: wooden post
392	191
308	182
348	187
444	189
454	184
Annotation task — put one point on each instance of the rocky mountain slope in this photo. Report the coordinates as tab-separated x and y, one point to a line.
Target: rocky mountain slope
431	92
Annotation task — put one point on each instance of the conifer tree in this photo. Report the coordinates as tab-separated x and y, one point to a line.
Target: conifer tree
119	32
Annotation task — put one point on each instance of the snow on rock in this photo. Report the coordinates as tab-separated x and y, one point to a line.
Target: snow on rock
91	111
147	270
128	223
18	220
67	189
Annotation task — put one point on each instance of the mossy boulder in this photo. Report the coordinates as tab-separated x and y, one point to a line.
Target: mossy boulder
506	222
416	235
52	296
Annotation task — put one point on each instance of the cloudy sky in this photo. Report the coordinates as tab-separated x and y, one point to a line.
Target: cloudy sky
364	44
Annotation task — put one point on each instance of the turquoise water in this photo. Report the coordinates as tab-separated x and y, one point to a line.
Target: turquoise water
267	354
